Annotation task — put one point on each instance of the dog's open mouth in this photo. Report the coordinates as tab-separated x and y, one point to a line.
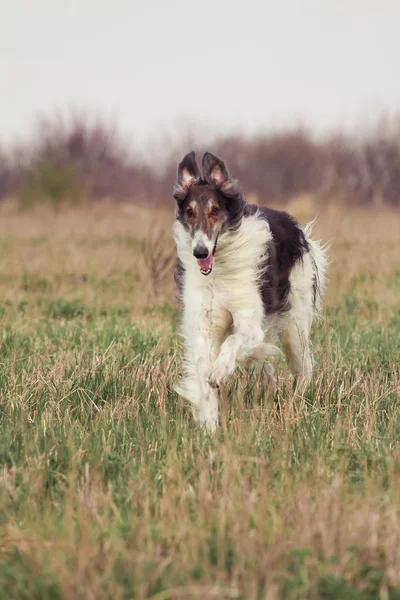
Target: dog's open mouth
206	264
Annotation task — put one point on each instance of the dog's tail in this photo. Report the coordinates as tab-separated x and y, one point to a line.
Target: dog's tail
320	261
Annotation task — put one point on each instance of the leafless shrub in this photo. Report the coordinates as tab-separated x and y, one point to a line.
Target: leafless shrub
95	151
159	257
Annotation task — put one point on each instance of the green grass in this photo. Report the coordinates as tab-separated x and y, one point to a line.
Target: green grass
108	490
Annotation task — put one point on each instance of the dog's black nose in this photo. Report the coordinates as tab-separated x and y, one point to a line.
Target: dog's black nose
200	252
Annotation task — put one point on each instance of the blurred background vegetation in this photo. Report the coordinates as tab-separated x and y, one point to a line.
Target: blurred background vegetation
72	159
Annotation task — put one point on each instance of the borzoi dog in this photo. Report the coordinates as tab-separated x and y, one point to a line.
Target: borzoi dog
247	275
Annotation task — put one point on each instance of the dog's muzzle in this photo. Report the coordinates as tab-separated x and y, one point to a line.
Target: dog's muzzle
205	263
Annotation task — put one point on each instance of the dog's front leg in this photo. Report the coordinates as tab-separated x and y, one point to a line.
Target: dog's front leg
246	340
200	353
208	406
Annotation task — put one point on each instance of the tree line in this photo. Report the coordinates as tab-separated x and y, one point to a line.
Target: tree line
75	159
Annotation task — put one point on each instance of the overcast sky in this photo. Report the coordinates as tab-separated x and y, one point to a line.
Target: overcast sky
153	65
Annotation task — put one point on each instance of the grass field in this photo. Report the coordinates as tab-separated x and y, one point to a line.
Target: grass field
107	490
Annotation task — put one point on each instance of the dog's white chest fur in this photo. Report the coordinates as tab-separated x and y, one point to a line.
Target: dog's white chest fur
212	301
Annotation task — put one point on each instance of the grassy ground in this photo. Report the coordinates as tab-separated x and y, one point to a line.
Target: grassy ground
107	490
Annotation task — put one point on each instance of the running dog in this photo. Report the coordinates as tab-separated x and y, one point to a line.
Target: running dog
247	276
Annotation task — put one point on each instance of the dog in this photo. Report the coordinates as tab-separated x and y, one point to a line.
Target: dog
247	276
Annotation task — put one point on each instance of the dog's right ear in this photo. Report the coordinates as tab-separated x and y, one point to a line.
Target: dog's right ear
188	173
214	169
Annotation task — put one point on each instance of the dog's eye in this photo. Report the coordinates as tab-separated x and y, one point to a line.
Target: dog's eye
215	210
189	212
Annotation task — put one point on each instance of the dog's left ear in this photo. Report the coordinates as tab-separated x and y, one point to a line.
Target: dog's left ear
214	170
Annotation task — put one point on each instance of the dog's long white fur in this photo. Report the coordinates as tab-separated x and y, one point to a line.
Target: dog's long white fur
223	316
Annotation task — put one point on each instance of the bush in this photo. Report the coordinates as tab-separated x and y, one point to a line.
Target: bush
46	182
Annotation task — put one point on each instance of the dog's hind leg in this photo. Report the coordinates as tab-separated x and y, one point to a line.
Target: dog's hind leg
259	359
267	374
295	338
296	347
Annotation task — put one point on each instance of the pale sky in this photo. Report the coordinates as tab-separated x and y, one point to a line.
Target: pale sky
221	65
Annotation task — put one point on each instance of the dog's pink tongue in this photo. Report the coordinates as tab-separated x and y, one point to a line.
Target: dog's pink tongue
205	263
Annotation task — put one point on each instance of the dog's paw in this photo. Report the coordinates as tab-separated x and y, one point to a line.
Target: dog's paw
219	373
208	415
209	424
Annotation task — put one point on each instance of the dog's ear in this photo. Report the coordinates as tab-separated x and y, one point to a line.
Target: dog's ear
188	173
214	170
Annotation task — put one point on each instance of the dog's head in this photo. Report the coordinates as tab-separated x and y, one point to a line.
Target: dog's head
208	204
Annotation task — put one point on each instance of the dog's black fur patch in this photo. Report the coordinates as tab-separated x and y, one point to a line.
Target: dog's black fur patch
289	244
